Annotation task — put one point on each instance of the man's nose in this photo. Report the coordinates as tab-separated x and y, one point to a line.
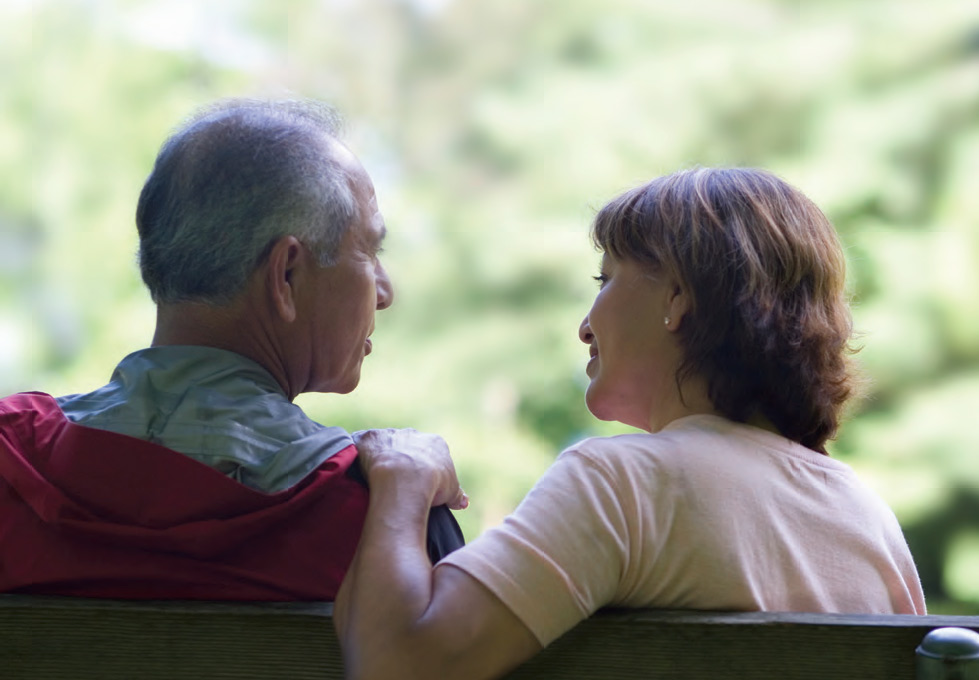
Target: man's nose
385	290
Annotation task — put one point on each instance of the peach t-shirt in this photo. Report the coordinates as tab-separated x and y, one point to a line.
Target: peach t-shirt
706	514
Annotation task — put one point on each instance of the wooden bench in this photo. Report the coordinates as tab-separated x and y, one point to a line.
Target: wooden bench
51	638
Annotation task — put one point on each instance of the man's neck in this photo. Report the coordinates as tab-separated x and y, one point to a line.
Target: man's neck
225	327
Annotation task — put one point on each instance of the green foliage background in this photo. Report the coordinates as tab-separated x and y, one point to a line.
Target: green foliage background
493	131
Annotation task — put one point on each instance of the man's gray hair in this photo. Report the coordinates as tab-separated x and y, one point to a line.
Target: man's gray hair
229	183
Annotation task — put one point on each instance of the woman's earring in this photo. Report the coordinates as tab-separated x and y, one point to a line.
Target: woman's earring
666	320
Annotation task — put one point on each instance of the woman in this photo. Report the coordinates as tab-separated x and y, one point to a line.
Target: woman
721	328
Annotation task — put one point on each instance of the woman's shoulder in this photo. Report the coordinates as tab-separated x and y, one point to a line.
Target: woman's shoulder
629	452
693	442
680	435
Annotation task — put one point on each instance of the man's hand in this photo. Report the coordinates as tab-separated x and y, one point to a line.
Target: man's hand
407	452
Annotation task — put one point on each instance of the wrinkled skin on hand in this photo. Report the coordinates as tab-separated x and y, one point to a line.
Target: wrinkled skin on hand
405	452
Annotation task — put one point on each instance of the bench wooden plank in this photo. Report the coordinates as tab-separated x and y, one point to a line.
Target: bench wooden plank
81	639
686	645
75	638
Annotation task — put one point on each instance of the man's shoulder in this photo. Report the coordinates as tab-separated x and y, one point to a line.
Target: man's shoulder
28	404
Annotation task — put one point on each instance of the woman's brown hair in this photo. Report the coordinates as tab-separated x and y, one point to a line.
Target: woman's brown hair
769	325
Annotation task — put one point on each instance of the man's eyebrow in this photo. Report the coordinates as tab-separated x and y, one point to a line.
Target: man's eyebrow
375	239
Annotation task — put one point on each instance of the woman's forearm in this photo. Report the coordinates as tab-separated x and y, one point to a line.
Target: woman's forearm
396	617
389	584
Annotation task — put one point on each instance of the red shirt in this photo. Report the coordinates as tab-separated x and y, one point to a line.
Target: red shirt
94	513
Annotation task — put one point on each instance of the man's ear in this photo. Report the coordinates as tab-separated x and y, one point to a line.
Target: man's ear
281	276
678	304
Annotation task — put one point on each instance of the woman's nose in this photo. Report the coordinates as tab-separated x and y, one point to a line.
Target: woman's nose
584	332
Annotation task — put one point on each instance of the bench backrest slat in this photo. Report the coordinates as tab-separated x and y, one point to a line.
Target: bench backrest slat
75	638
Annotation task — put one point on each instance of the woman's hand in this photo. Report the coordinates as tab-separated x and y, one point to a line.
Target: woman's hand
394	616
408	453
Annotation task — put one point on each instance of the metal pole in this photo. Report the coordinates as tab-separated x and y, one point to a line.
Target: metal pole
948	654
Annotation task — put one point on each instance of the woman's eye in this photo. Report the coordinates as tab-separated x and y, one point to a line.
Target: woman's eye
602	279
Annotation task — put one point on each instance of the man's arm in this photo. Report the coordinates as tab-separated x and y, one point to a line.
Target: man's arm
395	617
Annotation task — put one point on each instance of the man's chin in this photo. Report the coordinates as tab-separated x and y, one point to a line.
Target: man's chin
348	386
342	385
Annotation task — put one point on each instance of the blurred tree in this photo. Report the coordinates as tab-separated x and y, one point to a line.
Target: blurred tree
494	130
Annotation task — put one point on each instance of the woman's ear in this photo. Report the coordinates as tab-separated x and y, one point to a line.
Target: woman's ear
678	304
281	278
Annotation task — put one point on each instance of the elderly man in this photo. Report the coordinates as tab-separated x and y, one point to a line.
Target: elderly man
192	474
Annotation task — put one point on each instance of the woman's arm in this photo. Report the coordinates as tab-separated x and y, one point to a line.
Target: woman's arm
395	617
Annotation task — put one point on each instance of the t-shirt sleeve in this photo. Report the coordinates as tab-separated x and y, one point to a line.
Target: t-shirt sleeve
560	555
